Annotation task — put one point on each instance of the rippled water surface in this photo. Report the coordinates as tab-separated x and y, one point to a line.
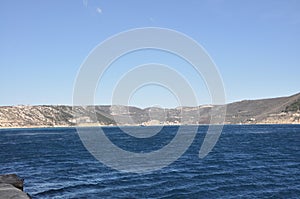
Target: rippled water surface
248	161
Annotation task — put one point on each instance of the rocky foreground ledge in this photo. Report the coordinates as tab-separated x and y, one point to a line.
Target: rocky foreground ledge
11	187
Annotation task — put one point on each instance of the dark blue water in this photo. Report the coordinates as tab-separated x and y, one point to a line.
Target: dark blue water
259	161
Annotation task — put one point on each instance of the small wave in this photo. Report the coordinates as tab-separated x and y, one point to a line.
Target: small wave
31	134
261	132
77	187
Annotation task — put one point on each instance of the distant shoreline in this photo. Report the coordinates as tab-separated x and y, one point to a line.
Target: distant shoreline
114	126
283	110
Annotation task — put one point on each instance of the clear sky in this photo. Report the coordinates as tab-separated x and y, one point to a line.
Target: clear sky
254	43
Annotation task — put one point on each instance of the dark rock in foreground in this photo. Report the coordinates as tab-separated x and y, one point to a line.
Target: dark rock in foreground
11	186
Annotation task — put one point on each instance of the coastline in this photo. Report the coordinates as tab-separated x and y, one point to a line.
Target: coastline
113	126
283	110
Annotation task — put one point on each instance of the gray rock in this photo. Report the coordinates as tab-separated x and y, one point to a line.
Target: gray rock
8	191
11	187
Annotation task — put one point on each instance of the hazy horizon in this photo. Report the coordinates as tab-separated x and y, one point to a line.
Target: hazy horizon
147	106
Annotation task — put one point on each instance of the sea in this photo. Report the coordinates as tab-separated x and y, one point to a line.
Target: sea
248	161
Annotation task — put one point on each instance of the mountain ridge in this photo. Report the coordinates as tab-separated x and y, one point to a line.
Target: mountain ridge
281	110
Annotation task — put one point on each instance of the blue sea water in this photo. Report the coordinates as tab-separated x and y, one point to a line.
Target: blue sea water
255	161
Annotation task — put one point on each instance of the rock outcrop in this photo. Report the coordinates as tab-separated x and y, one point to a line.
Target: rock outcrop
11	187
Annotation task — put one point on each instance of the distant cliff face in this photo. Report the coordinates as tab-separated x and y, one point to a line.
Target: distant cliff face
277	110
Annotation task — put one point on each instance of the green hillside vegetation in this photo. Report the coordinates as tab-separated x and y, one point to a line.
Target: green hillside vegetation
293	107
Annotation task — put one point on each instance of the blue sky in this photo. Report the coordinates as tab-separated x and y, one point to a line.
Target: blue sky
255	45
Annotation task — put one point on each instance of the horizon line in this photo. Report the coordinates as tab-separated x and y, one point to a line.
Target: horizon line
135	106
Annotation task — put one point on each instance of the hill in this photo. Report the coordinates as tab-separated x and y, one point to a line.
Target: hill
283	110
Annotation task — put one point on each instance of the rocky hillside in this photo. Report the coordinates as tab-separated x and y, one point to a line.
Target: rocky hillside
277	110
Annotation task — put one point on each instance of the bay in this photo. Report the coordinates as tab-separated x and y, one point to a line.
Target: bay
248	161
